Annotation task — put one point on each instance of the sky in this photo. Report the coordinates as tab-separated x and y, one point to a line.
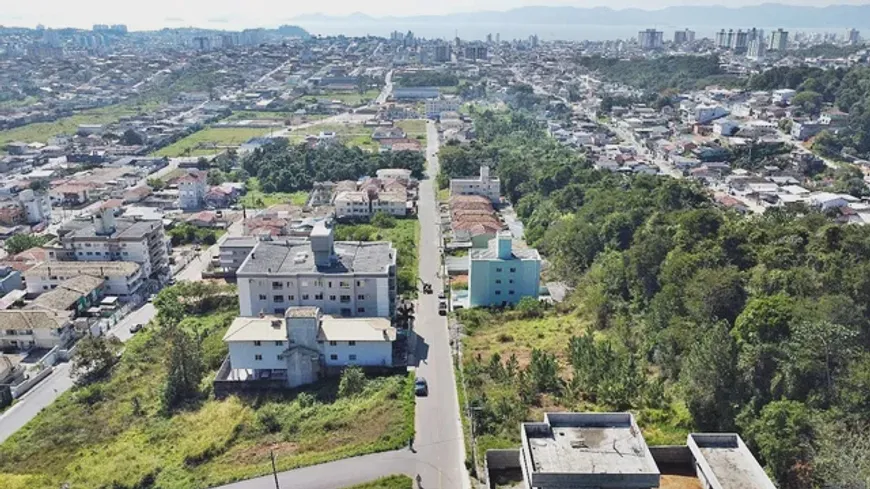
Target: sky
153	14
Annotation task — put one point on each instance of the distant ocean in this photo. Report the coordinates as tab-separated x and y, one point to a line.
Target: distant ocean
545	32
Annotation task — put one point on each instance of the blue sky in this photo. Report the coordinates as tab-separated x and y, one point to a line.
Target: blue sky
152	14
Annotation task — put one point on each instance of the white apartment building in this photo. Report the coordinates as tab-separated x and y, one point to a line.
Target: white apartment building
105	238
349	279
300	345
191	190
121	278
435	107
484	185
362	204
22	329
37	206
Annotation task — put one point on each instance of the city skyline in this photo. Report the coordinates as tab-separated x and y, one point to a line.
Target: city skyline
266	13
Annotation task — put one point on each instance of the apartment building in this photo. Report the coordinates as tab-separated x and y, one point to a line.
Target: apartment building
347	279
122	278
298	346
191	190
27	207
434	108
25	329
500	275
106	238
484	185
363	204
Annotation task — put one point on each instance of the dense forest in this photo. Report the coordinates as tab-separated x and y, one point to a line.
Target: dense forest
282	167
755	324
657	74
427	79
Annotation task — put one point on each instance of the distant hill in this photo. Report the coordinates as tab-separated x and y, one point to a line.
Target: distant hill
767	15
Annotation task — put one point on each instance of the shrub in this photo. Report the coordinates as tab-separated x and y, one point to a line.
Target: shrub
353	381
306	399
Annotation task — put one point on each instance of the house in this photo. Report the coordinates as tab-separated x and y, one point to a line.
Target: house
72	194
396	173
75	294
233	251
825	200
23	329
205	219
299	347
10	279
783	96
434	108
725	127
500	275
220	197
484	185
191	190
346	278
136	194
388	133
705	114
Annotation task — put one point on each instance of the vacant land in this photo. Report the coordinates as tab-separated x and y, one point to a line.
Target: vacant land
352	99
508	382
391	482
360	135
256	115
255	198
42	131
405	236
211	141
114	434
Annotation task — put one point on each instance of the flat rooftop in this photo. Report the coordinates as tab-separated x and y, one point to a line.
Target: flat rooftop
586	449
726	462
125	229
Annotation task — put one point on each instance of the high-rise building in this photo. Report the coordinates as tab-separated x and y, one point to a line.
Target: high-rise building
442	53
739	41
684	36
497	38
475	52
650	39
489	38
757	48
533	40
852	37
778	40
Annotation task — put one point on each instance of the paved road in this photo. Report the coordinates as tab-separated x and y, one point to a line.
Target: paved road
388	89
440	457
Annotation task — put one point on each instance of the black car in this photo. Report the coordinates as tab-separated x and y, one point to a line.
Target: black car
421	387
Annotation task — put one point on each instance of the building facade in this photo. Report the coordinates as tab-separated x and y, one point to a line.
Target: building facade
349	279
484	185
191	190
121	278
500	275
25	329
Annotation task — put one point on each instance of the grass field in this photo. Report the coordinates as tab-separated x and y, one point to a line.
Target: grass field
391	482
42	131
502	335
255	198
210	141
353	99
359	135
243	115
405	236
113	434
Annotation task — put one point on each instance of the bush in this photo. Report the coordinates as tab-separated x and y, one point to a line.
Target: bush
306	400
353	381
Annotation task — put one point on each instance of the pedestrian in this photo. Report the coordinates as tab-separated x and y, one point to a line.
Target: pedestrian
411	445
419	481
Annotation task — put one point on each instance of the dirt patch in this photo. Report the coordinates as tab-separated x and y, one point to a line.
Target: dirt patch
260	453
679	482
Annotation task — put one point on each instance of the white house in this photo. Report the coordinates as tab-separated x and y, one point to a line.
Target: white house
191	190
783	96
826	200
484	185
705	114
299	346
22	329
725	127
122	278
37	206
364	204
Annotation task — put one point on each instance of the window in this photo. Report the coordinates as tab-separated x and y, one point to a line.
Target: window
513	270
351	343
278	298
89	253
279	343
333	343
258	357
277	286
345	298
498	281
278	357
291	297
360	297
360	309
329	284
304	297
97	253
498	269
510	292
332	297
352	358
359	283
125	253
318	297
333	357
497	292
279	311
511	281
344	285
257	343
263	297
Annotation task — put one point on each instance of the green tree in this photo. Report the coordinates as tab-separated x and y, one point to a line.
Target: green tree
184	368
383	220
21	242
782	435
94	357
710	379
132	138
352	382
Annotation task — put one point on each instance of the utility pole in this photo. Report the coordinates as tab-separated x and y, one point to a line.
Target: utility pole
274	471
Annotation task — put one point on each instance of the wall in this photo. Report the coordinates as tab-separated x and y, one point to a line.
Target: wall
483	275
242	354
303	290
374	353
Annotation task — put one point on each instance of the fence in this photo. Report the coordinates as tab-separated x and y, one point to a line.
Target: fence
20	389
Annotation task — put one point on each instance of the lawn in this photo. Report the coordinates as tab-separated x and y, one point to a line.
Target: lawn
211	141
42	131
255	198
391	482
405	236
113	434
493	338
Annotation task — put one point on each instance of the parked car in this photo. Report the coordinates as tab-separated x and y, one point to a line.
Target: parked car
136	328
442	295
421	387
442	308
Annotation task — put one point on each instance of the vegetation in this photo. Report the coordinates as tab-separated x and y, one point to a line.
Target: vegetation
117	432
94	357
405	236
658	74
211	141
427	79
21	242
185	233
42	131
281	167
352	99
255	198
390	482
693	317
